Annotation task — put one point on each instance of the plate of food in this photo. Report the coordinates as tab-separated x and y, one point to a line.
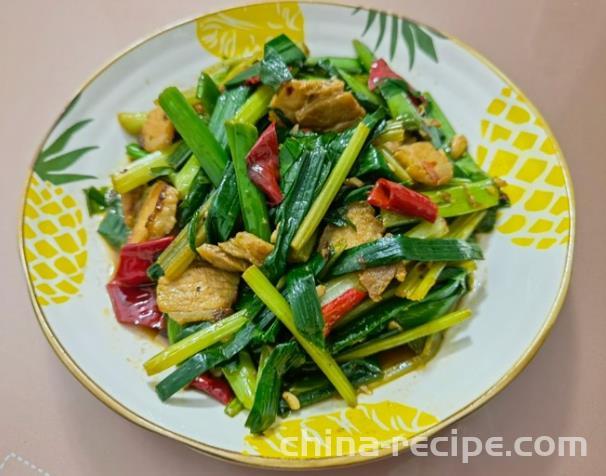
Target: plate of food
298	234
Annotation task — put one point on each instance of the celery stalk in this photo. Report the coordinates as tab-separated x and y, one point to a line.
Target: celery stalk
333	183
184	178
423	276
256	105
132	122
454	200
397	340
141	171
242	378
179	351
175	259
279	306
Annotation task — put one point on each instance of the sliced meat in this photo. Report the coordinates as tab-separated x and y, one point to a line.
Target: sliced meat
248	247
424	163
364	227
376	280
321	105
131	202
220	259
157	132
157	215
201	293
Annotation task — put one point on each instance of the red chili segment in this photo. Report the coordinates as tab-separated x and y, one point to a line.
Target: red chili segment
136	258
135	305
264	166
380	70
216	387
397	198
341	305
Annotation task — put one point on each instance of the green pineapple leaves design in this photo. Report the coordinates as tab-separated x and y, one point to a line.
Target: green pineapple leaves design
416	38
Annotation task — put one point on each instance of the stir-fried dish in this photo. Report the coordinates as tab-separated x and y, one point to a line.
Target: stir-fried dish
296	227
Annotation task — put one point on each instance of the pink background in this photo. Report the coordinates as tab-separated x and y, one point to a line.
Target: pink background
553	49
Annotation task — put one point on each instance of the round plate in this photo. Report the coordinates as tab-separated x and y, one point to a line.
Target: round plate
523	279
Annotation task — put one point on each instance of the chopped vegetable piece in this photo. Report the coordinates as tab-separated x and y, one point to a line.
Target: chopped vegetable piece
95	200
455	200
132	122
141	171
113	227
365	55
392	196
335	180
256	106
241	138
396	248
380	70
136	258
381	344
135	151
341	305
216	387
135	305
178	256
208	93
267	395
195	133
422	278
233	408
263	165
242	377
303	299
178	352
279	306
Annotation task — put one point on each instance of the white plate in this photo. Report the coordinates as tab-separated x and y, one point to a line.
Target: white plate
524	277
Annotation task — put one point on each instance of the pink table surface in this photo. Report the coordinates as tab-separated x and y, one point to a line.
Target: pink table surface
553	49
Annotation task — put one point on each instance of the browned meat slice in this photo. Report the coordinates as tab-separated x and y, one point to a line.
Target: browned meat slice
220	259
321	105
131	202
157	215
364	227
157	132
247	246
201	293
424	163
376	280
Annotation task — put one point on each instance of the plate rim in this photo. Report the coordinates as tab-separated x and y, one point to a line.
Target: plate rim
292	463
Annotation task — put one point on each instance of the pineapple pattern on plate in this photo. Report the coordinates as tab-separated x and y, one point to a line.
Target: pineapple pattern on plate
517	146
318	436
244	31
55	238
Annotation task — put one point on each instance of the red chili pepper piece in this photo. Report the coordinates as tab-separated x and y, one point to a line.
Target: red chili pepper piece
216	387
339	306
397	198
253	80
136	258
380	70
135	305
263	165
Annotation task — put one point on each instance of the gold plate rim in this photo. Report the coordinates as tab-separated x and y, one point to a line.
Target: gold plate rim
283	463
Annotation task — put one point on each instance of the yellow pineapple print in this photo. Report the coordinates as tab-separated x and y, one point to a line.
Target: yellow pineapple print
54	236
516	146
243	31
317	436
